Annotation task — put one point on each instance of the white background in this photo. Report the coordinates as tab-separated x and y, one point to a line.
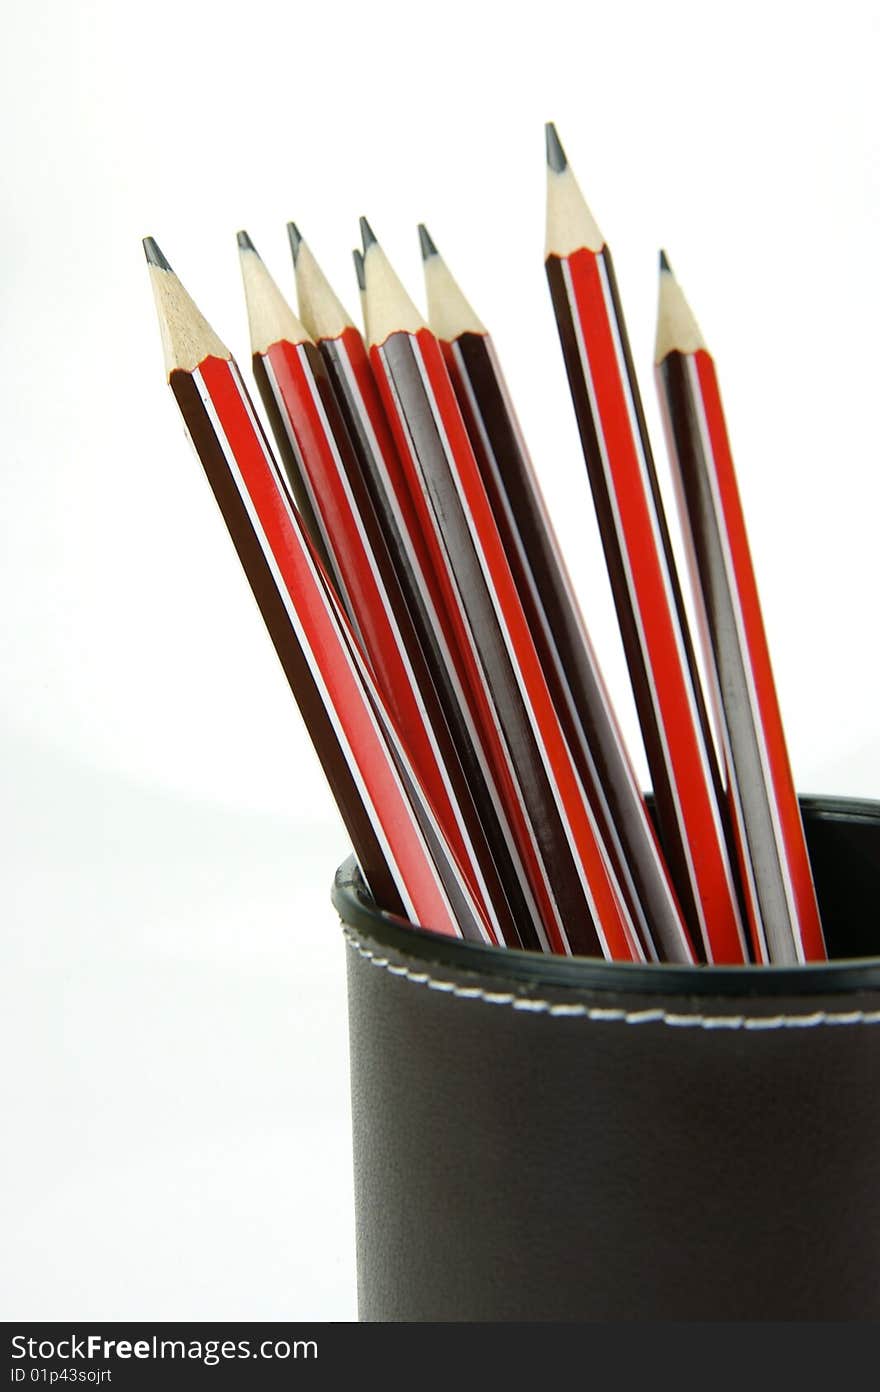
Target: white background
175	1071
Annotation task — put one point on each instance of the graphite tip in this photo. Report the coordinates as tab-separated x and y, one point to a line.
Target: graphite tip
555	153
244	242
368	236
154	255
664	262
359	269
426	242
295	236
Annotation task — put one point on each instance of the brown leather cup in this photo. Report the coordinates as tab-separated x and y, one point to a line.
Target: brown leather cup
541	1138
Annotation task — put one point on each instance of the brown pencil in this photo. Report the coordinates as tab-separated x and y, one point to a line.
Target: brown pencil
774	865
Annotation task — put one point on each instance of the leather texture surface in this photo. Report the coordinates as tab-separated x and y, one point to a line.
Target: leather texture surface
529	1151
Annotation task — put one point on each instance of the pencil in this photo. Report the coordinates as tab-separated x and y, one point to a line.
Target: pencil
345	357
775	869
552	611
574	877
298	395
399	845
647	595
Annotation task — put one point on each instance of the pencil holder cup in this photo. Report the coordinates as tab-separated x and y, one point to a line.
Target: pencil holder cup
540	1138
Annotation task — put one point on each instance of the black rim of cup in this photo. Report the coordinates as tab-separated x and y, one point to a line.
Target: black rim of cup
358	912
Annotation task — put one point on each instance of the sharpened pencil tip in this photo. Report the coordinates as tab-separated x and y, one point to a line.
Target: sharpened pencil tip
319	308
368	236
359	269
426	242
154	255
677	329
295	236
555	153
245	243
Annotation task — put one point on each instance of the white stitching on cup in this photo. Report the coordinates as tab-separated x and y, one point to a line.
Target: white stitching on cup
605	1015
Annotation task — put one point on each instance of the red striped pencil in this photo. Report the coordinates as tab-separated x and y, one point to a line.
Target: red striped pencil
458	688
553	614
574	874
401	850
775	870
312	437
646	590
